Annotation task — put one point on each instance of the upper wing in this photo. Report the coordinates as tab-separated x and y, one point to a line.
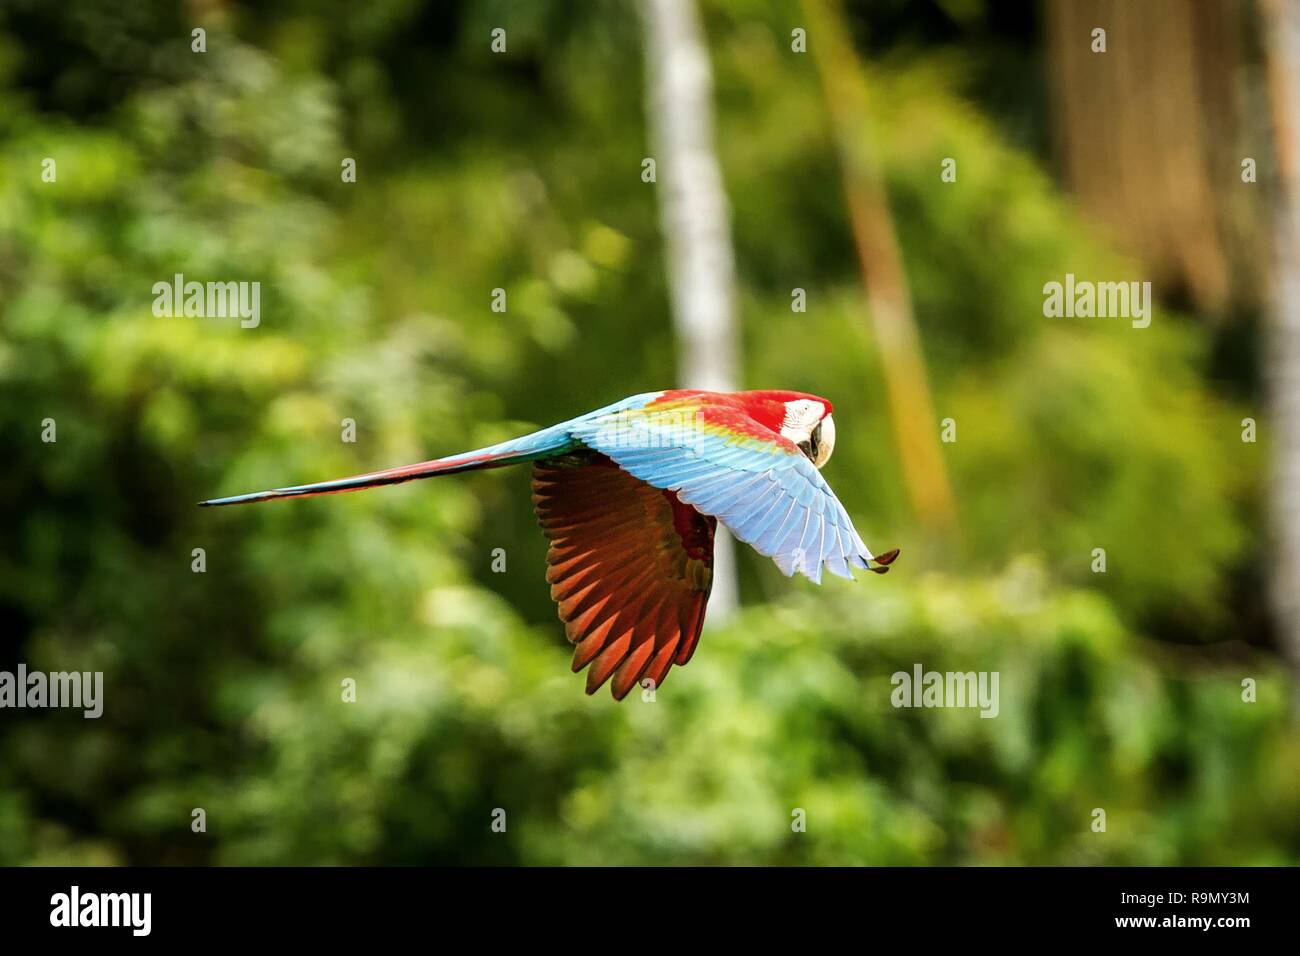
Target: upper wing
754	480
629	566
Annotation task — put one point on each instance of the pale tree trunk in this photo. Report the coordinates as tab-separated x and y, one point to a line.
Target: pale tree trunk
695	220
1283	349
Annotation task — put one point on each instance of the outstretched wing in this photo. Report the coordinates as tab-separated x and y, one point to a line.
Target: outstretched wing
755	481
629	565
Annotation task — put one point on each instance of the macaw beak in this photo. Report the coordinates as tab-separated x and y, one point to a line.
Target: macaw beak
826	445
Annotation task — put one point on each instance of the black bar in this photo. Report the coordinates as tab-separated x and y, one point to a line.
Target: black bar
331	904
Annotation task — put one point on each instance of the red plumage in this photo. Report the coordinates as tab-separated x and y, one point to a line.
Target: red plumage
756	413
630	569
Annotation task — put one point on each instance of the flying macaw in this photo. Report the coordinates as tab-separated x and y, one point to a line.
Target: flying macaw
629	497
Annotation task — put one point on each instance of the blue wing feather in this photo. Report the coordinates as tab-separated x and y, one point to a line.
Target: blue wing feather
769	496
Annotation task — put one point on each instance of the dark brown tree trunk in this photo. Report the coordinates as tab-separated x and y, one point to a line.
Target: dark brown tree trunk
1148	138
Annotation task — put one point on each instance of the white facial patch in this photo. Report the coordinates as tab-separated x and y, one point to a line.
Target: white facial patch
801	417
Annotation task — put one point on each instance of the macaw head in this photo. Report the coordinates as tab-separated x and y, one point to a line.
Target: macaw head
808	423
802	418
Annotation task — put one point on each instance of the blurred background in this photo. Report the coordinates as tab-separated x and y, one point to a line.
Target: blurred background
522	169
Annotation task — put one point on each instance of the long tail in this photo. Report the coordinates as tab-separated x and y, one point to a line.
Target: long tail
550	441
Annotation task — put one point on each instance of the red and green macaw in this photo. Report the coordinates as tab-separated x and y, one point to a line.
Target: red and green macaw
630	495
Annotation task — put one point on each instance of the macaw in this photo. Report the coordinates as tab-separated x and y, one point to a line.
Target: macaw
629	497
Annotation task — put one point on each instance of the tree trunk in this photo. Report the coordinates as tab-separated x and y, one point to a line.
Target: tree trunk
1148	139
1283	348
695	220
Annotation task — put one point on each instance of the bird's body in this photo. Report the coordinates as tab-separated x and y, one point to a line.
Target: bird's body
630	495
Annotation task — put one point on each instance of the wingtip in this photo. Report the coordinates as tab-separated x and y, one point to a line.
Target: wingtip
840	568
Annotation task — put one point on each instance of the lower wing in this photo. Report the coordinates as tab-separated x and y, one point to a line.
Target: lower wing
630	569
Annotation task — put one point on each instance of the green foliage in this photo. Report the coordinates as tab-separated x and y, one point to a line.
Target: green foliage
224	689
